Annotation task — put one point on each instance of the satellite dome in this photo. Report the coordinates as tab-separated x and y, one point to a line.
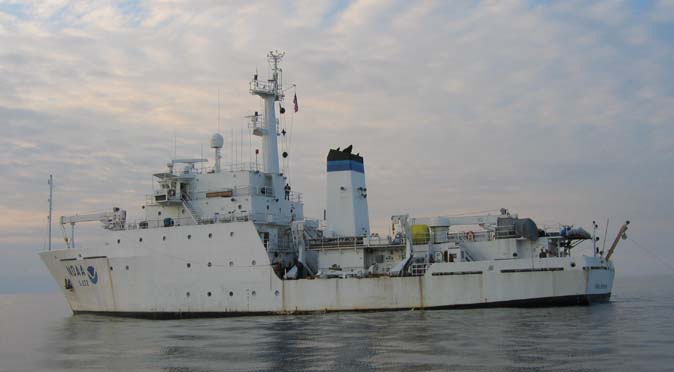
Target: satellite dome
217	141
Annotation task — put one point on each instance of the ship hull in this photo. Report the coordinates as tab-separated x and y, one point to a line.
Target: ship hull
223	270
574	300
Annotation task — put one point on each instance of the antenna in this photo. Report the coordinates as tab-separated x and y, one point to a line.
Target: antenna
604	243
51	189
175	143
219	99
274	57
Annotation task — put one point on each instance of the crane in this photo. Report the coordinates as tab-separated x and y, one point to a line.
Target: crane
111	220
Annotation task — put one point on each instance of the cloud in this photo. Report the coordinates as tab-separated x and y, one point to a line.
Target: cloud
560	110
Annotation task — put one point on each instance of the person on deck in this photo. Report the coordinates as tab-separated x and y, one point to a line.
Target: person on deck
287	190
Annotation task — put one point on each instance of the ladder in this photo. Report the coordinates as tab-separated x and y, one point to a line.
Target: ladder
190	208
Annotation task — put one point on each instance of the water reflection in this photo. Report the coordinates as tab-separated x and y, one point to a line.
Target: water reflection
491	339
620	335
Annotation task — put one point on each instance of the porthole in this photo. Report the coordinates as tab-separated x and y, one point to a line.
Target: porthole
253	263
514	254
118	241
110	268
276	293
239	206
573	264
208	294
127	267
140	239
189	265
188	294
189	236
231	233
252	293
158	213
231	263
210	235
231	294
210	264
163	238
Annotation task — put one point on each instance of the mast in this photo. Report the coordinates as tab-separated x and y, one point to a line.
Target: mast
51	189
270	91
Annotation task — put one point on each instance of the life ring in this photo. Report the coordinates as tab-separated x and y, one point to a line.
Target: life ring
470	235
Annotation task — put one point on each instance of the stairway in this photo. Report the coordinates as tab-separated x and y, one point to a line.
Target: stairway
190	208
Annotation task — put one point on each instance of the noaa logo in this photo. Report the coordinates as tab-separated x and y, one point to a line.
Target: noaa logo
92	274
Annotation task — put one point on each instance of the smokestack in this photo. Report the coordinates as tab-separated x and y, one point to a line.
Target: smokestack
347	212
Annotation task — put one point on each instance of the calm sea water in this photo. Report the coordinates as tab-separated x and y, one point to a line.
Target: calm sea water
634	331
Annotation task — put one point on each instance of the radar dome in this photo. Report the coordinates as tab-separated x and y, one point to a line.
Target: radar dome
217	141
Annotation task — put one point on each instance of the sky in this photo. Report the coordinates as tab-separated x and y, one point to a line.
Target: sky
562	111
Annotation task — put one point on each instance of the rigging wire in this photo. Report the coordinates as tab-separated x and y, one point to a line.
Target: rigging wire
472	213
291	131
652	254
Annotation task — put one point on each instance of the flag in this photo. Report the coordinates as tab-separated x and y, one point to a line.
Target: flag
297	108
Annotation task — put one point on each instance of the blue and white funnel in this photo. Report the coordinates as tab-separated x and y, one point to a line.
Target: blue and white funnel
347	213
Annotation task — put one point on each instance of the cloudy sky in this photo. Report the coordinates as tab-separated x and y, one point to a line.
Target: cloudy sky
562	111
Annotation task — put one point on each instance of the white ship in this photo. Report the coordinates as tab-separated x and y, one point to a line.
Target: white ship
233	240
